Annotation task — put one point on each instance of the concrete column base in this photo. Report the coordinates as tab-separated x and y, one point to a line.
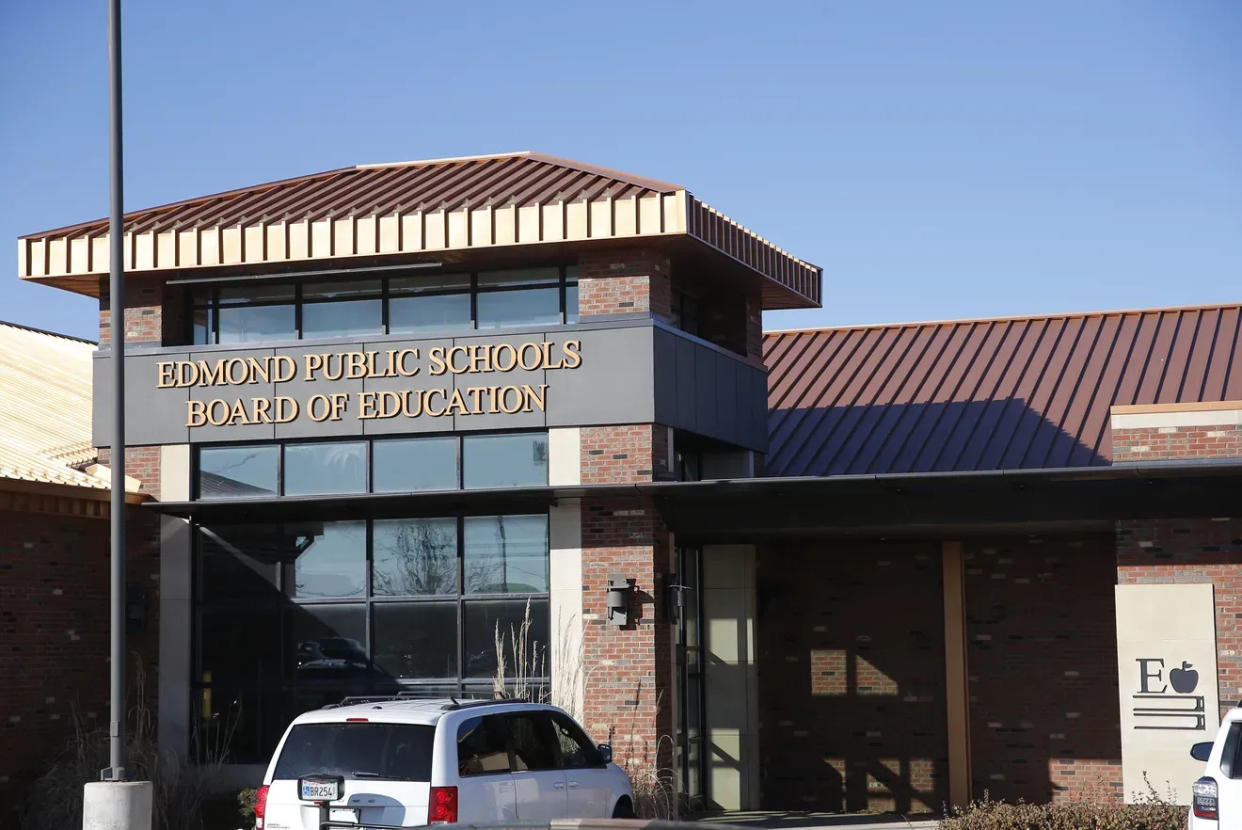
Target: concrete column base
117	805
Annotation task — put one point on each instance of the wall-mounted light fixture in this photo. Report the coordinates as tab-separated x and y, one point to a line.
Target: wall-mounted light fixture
619	590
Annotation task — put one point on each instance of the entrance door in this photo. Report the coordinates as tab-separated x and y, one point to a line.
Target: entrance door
690	726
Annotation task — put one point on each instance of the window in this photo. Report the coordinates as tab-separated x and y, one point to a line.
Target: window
335	467
534	747
386	751
411	464
238	471
350	308
504	460
296	615
380	465
519	298
269	310
577	751
506	554
483	746
434	303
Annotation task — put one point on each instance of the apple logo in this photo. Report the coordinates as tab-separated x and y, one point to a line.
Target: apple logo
1184	679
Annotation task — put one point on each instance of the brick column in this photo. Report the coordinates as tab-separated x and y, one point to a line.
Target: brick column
628	669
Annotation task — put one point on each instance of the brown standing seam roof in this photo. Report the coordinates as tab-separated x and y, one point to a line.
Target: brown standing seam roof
991	394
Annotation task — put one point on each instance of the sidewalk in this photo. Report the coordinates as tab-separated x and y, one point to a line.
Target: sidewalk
780	820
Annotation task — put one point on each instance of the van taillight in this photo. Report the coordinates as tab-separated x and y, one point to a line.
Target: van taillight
1204	801
442	806
260	807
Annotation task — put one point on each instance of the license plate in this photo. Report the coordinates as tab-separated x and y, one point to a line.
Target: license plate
327	788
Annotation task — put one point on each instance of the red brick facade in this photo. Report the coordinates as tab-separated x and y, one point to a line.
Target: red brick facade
624	454
625	282
1165	443
851	693
144	318
1042	666
141	463
54	589
1193	550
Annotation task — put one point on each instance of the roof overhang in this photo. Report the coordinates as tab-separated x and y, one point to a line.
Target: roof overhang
774	509
442	208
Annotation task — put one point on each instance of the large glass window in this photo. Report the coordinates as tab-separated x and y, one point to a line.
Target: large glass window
526	297
293	616
380	465
513	460
410	464
506	554
330	467
342	309
238	471
274	310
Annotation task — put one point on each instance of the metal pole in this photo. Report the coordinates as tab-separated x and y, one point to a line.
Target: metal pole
116	301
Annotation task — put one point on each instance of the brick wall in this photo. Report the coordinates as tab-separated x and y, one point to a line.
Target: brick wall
851	689
142	463
144	318
54	640
1171	442
628	670
1042	666
1193	550
625	282
624	454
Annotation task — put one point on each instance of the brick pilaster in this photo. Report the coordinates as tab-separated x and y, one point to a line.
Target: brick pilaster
625	281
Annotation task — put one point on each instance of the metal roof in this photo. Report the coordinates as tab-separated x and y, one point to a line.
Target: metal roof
411	208
987	394
45	408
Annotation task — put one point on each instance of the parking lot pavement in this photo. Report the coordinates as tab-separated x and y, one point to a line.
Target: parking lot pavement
777	820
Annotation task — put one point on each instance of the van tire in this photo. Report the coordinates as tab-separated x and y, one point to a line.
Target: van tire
624	809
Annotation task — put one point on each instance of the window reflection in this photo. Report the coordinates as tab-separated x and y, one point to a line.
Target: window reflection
238	472
406	464
505	554
251	324
523	307
331	561
505	460
412	640
414	557
325	467
485	621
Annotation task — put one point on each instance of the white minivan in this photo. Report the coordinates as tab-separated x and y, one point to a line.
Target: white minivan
413	762
1216	798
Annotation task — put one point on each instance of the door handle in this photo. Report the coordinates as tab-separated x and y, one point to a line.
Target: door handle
558	786
573	784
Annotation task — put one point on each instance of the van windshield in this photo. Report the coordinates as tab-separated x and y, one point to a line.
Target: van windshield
386	751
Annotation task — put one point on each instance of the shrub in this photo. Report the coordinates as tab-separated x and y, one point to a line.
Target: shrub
1151	813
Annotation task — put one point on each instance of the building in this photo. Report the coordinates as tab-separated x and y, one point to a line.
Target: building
54	574
387	411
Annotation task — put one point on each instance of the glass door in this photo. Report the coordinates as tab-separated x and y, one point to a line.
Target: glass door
690	687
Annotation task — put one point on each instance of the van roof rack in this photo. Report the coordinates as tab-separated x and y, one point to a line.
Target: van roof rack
356	700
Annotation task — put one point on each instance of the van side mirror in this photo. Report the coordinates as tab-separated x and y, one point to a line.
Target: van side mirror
1201	751
605	752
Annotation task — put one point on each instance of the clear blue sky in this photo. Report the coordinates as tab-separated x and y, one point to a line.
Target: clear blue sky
938	159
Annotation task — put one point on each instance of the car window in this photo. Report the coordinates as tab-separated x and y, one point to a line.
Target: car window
577	750
384	751
482	746
534	747
1231	753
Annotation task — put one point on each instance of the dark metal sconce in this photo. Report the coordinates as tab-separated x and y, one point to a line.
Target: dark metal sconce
619	590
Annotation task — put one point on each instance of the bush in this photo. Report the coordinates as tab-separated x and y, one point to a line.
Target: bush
1152	813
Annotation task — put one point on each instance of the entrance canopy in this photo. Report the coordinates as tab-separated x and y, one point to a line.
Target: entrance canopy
762	509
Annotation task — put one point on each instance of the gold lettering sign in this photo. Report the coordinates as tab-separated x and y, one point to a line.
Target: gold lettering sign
328	367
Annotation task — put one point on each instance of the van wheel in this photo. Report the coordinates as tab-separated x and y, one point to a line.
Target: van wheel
624	809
